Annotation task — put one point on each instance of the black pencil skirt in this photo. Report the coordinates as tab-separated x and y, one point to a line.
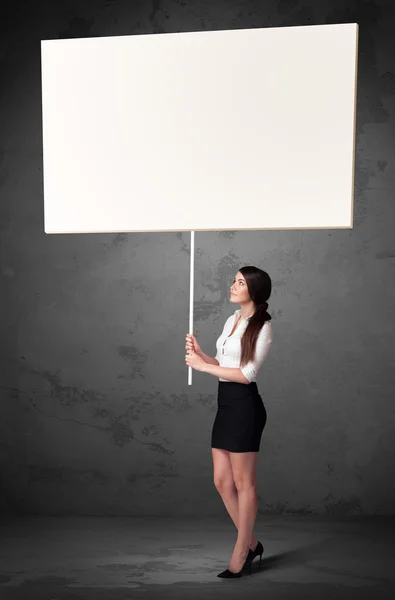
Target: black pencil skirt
240	418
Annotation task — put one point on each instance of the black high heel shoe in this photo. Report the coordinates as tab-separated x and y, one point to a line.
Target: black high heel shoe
247	564
254	553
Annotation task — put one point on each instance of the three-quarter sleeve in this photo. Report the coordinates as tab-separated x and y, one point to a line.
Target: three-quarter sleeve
263	343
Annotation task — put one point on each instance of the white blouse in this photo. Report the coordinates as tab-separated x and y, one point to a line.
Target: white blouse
229	348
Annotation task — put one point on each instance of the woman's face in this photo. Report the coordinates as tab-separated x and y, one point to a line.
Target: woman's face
239	290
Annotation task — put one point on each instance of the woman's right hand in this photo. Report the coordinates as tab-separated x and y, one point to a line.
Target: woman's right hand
192	345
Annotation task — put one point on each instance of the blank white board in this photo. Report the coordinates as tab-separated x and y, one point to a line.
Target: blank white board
219	130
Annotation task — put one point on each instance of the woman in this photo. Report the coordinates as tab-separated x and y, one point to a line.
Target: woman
241	416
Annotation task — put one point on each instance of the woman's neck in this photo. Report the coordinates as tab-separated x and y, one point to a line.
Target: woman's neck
247	310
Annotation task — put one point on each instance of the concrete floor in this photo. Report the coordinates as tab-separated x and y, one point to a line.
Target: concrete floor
123	558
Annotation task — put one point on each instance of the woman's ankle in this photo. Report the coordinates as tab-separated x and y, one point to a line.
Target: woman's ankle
253	543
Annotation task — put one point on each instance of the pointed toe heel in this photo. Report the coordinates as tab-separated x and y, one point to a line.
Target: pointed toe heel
229	574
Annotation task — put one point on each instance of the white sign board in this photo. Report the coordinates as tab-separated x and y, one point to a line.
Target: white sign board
221	130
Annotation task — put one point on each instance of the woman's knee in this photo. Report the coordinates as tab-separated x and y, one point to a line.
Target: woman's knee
243	484
225	485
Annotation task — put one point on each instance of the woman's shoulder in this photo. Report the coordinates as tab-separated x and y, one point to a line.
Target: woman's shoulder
266	330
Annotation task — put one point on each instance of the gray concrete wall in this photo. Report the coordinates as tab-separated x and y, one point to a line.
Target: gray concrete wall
96	415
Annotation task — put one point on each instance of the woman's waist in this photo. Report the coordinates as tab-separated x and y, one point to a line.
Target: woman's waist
232	390
237	385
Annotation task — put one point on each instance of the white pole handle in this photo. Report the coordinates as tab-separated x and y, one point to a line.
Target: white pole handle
191	296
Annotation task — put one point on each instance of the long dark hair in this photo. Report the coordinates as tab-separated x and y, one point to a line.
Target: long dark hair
259	287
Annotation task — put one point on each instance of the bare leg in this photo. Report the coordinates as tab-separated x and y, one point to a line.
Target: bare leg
224	482
230	498
244	471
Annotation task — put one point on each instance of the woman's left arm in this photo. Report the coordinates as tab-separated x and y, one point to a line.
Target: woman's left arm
228	373
263	344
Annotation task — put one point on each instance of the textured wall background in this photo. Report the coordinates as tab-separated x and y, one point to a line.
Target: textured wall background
96	415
